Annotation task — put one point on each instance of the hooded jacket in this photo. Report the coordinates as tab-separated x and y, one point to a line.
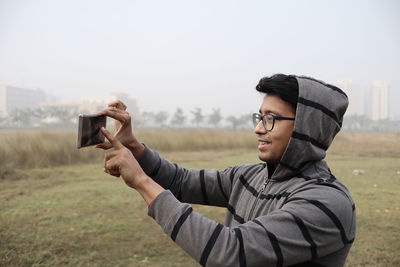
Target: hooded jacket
299	214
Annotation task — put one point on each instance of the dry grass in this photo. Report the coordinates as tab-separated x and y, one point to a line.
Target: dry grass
36	149
366	144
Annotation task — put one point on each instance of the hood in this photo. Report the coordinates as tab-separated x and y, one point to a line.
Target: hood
319	117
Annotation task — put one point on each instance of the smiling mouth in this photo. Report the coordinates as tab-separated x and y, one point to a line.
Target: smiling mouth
263	142
263	145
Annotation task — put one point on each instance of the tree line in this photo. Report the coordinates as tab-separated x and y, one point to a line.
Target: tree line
361	123
195	118
61	117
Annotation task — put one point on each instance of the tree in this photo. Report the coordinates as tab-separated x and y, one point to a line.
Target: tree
39	113
161	118
198	117
246	121
215	117
21	117
179	117
145	119
234	121
63	116
243	121
3	120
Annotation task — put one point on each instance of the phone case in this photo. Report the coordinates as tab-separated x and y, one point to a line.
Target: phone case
89	130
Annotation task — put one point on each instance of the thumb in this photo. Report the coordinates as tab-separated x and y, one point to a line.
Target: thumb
114	142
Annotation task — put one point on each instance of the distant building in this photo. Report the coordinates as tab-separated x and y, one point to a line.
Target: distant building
379	100
93	104
12	98
355	96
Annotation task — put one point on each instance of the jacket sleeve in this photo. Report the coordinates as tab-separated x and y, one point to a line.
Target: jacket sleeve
207	187
301	230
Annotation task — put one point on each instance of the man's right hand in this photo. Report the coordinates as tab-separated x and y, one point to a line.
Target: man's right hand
122	128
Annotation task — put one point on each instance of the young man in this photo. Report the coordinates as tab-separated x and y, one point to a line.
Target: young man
287	210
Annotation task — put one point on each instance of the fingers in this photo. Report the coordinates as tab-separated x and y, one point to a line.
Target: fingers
114	142
118	104
105	145
110	155
110	163
112	167
116	114
114	172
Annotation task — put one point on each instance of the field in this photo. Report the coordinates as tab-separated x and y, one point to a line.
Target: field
57	207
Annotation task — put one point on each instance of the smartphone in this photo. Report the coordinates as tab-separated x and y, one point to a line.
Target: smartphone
89	129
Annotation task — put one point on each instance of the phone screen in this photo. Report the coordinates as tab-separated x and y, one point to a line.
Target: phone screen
89	130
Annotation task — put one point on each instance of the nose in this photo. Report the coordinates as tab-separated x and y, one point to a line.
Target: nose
259	129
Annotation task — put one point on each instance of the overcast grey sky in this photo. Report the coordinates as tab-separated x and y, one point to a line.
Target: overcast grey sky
190	53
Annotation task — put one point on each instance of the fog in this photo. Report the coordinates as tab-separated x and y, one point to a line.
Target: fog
188	54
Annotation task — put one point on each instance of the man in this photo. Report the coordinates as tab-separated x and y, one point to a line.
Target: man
288	210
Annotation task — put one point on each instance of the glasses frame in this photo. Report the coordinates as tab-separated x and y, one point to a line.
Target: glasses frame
257	117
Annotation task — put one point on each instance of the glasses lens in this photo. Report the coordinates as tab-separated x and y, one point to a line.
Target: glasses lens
269	122
256	119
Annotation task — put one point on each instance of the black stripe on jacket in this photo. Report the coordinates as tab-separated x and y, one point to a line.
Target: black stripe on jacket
330	214
254	192
179	223
220	186
210	244
236	217
306	234
203	187
321	108
274	243
242	255
309	139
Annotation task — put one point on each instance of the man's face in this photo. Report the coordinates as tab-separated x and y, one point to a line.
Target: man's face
272	144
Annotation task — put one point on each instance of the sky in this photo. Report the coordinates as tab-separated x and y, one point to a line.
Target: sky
185	53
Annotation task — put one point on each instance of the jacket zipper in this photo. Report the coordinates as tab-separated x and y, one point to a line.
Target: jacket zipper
258	196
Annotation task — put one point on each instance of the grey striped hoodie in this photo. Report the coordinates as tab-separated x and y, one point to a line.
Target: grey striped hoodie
303	216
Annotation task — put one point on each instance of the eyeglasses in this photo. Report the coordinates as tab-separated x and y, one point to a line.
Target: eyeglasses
268	120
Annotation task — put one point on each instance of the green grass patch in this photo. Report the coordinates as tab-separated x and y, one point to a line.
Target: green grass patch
375	193
79	216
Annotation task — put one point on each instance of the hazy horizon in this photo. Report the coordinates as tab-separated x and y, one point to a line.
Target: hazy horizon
208	54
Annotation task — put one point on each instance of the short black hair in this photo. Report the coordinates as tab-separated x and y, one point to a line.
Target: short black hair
284	86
